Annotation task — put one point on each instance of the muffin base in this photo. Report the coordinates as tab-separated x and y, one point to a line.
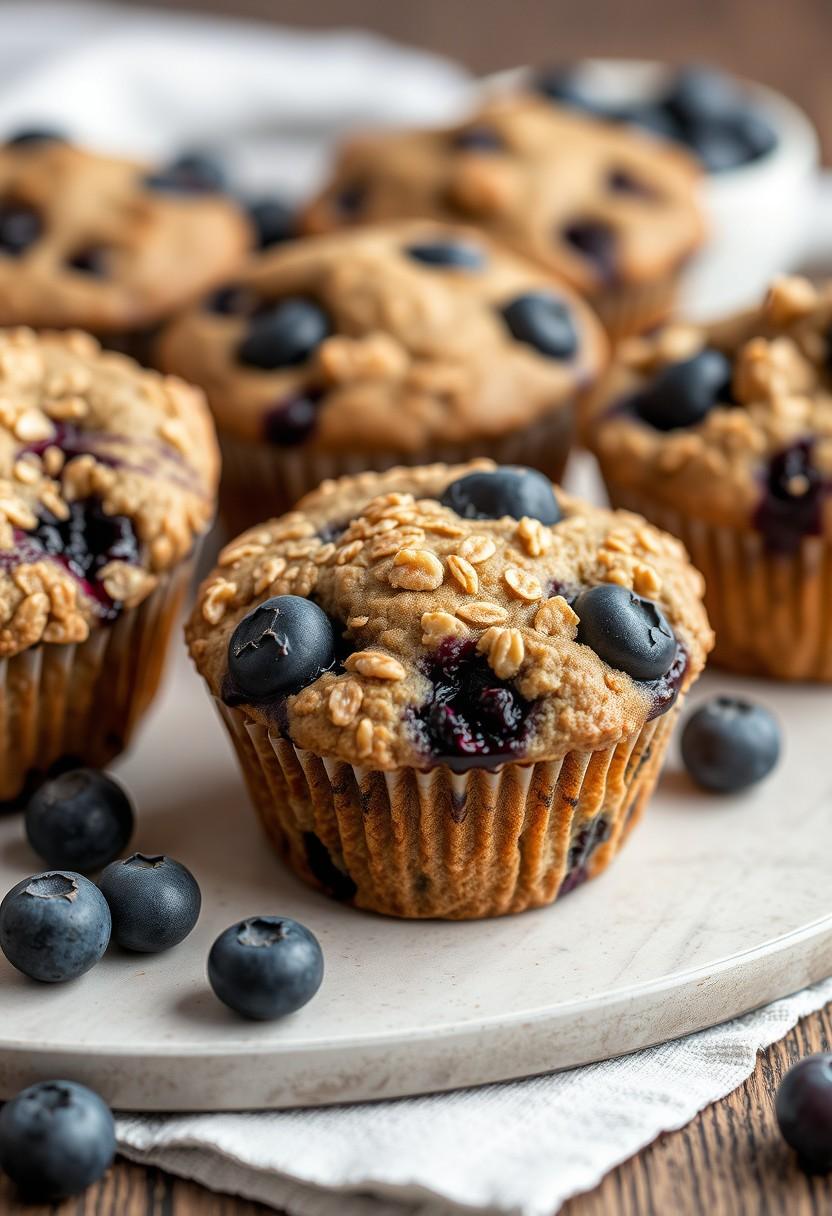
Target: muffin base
260	480
770	611
64	705
433	843
628	309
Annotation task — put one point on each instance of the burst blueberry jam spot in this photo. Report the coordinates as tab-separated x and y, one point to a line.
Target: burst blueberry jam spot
293	420
472	718
587	839
792	501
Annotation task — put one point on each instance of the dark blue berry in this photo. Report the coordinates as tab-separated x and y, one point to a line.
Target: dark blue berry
544	321
191	173
274	222
280	647
93	260
284	334
596	242
756	133
792	503
233	300
508	491
565	85
701	94
626	630
293	421
56	1139
266	967
154	902
652	117
719	148
458	255
20	227
79	820
54	926
478	139
35	135
804	1111
350	199
470	712
682	394
729	744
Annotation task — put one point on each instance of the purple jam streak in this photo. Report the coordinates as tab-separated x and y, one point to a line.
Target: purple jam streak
792	503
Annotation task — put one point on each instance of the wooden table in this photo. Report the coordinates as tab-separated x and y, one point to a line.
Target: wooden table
730	1160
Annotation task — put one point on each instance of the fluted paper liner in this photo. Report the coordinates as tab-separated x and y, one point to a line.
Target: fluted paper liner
625	309
261	479
770	611
435	843
80	703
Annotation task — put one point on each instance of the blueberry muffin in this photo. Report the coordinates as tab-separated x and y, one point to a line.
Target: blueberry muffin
722	434
392	345
450	689
610	209
104	244
107	480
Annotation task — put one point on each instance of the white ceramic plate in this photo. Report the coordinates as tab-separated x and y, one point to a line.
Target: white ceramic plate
715	906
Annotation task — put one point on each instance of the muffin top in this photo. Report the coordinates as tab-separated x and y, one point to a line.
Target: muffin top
386	338
464	615
105	244
107	474
599	203
730	423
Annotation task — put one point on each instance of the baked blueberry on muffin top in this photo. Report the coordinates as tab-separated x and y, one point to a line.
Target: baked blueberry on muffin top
388	339
105	244
459	616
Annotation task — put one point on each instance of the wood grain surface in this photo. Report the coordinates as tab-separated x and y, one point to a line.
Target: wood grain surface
730	1160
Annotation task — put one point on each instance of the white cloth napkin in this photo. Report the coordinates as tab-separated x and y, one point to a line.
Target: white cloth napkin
271	101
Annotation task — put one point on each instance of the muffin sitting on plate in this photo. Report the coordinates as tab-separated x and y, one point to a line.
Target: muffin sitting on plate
612	210
450	689
104	244
391	345
722	434
107	481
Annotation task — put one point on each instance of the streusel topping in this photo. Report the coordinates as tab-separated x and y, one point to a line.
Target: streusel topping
731	422
414	589
387	338
107	475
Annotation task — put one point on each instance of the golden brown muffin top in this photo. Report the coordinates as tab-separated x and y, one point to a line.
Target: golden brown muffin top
410	339
421	595
593	201
92	244
729	422
108	473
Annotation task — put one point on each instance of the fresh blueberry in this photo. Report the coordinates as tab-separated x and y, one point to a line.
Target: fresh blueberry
54	926
626	630
191	173
35	135
266	967
274	222
804	1111
279	647
719	148
506	491
93	260
757	134
20	227
652	117
701	94
478	139
154	902
56	1139
470	712
729	744
544	321
681	394
80	820
459	255
596	242
285	334
566	86
293	421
